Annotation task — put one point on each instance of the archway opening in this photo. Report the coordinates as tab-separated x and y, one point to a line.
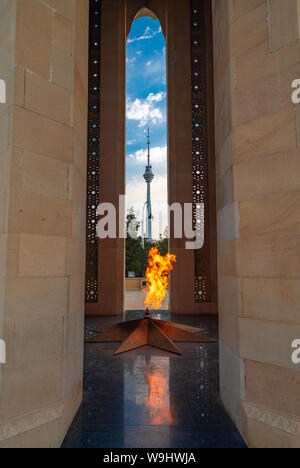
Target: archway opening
146	153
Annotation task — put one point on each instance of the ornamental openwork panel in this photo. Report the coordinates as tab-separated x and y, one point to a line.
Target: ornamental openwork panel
92	273
201	201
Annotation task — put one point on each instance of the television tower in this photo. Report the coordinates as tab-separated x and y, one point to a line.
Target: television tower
149	176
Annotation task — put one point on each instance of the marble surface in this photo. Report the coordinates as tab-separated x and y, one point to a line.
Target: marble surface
149	398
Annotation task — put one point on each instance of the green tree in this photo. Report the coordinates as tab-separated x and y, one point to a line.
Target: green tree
163	243
134	250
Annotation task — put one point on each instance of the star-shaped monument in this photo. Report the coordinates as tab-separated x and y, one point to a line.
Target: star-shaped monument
148	331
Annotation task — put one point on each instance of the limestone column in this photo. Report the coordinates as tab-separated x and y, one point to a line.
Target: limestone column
180	166
257	58
112	154
43	50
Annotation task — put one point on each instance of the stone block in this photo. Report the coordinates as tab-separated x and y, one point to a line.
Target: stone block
38	214
273	387
3	255
77	298
229	223
38	341
19	86
260	435
254	65
225	190
221	20
284	25
42	256
7	16
249	30
36	298
230	303
264	97
46	98
242	7
289	55
279	172
225	156
62	69
12	255
265	136
44	436
73	400
30	388
8	335
62	33
271	299
42	175
268	342
76	258
67	8
4	171
43	136
267	257
73	366
5	132
6	54
33	36
3	212
223	108
297	110
276	215
227	259
232	389
79	156
77	188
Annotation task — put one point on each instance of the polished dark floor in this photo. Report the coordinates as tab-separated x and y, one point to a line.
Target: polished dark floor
149	398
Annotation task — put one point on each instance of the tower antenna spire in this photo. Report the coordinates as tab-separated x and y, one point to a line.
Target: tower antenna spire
149	176
148	143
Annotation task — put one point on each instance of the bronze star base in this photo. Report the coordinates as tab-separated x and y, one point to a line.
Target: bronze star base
148	331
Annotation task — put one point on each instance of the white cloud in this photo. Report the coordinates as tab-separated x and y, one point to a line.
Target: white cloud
136	197
156	97
158	155
144	110
131	60
149	63
148	34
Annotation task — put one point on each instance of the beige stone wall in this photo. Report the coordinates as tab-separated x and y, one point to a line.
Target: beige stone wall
43	149
257	55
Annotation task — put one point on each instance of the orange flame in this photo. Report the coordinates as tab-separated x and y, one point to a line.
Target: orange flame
158	400
157	275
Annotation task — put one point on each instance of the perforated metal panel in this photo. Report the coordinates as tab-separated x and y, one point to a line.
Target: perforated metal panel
92	274
201	208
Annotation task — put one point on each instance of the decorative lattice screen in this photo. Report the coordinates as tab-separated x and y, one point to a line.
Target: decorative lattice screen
201	206
93	151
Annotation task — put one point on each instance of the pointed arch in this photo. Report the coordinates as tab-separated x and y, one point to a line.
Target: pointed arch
155	9
144	11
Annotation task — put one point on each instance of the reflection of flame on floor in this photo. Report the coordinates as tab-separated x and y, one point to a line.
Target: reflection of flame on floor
158	400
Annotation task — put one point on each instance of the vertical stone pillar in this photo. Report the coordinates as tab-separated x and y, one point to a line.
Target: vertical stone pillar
180	163
256	60
43	154
112	154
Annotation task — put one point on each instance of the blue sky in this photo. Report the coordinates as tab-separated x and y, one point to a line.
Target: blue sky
146	106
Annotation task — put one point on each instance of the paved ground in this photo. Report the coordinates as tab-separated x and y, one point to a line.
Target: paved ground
152	399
